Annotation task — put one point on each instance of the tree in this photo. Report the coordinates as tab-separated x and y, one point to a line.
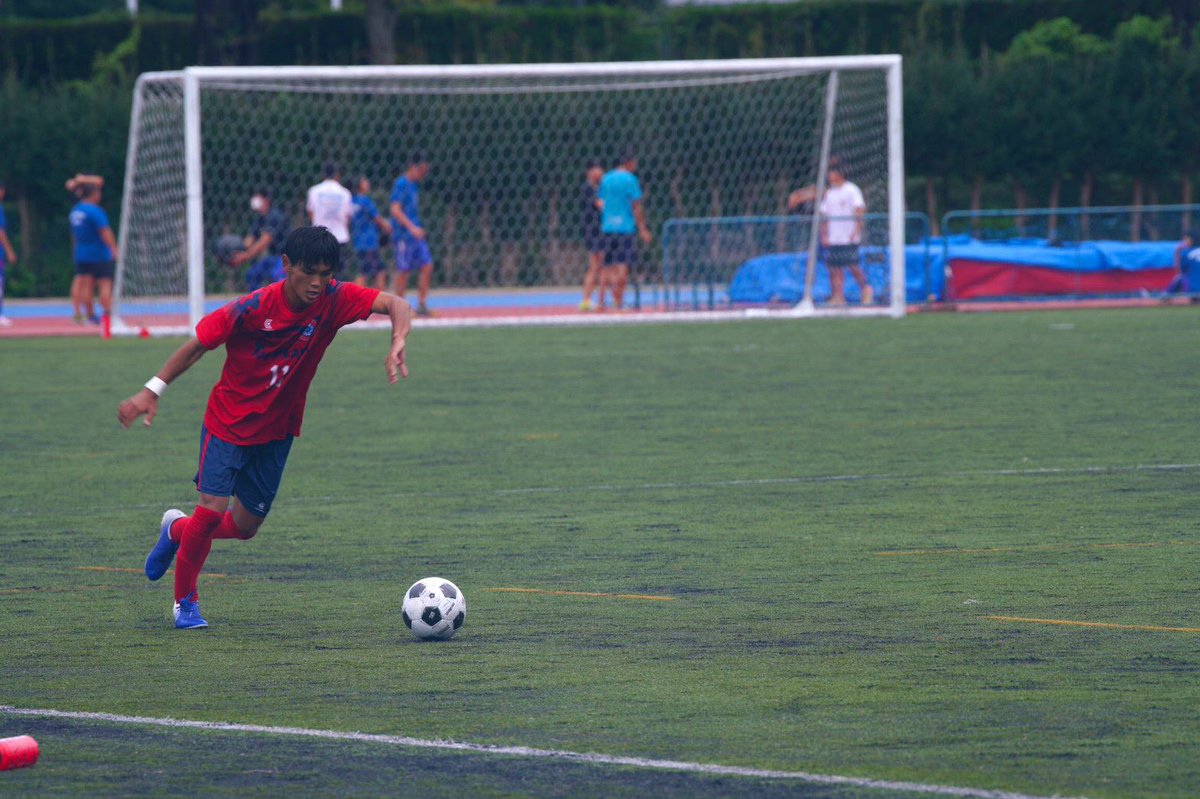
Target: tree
1141	85
1042	75
227	31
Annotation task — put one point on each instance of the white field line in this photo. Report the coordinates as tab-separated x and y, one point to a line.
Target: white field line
525	751
683	485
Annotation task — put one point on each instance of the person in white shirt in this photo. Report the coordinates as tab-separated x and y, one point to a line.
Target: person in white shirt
842	210
331	205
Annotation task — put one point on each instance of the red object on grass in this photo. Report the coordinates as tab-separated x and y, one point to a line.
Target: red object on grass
17	752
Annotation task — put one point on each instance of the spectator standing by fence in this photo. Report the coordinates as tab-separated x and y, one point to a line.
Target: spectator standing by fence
589	212
94	247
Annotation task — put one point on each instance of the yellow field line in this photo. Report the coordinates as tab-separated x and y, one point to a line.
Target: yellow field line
1102	625
133	571
548	592
1035	548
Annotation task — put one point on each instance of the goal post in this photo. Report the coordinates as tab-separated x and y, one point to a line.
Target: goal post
508	146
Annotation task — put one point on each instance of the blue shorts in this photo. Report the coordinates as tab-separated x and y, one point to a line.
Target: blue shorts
594	240
412	255
251	474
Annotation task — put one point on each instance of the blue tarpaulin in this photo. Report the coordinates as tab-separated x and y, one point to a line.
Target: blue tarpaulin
779	277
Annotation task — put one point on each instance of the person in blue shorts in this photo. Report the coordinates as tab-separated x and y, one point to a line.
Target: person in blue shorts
94	247
365	226
622	221
264	242
7	256
408	236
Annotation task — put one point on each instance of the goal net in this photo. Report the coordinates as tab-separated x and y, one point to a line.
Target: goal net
508	147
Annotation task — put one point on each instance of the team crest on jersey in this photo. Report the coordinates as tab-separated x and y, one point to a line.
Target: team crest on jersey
268	324
309	329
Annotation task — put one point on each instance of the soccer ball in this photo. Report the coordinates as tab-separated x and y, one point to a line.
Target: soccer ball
434	609
226	247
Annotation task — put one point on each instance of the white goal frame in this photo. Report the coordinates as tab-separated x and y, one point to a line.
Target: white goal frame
194	78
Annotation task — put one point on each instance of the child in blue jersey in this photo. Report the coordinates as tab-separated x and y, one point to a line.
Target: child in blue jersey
94	247
622	221
412	250
1187	266
7	256
365	226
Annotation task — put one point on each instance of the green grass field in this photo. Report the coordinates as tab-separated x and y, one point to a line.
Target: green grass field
838	511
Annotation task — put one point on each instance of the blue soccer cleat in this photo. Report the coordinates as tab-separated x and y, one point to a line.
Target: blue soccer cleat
159	559
187	614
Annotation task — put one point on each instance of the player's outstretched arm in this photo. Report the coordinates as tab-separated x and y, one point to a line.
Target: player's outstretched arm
401	314
146	400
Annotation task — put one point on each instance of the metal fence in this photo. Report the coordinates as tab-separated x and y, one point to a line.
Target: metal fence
701	256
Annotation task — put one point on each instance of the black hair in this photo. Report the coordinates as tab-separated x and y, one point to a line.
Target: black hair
311	246
417	157
594	163
264	193
85	191
330	169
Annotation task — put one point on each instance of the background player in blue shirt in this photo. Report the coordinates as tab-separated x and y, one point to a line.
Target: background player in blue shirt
1187	265
94	246
412	250
622	221
7	256
264	242
365	226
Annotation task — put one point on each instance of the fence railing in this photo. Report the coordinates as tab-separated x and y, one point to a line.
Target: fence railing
700	256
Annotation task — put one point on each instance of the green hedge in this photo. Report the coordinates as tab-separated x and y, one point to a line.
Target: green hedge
994	98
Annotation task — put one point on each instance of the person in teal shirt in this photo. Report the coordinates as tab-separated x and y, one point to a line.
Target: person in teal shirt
622	222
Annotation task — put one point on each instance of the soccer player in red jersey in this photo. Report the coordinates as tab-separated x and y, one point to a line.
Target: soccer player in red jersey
274	339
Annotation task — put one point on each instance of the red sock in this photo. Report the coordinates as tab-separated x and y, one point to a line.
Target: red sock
194	542
229	529
226	529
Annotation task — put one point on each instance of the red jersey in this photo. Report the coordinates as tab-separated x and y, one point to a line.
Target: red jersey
272	353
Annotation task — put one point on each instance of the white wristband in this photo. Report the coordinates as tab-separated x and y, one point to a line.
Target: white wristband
156	385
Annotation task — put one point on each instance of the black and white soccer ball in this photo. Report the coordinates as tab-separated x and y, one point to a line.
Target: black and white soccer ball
434	609
228	246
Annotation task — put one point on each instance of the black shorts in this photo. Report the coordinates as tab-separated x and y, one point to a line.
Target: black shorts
594	240
366	262
101	270
620	248
841	255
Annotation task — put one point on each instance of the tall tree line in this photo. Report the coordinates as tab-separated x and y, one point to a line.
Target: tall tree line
1058	117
